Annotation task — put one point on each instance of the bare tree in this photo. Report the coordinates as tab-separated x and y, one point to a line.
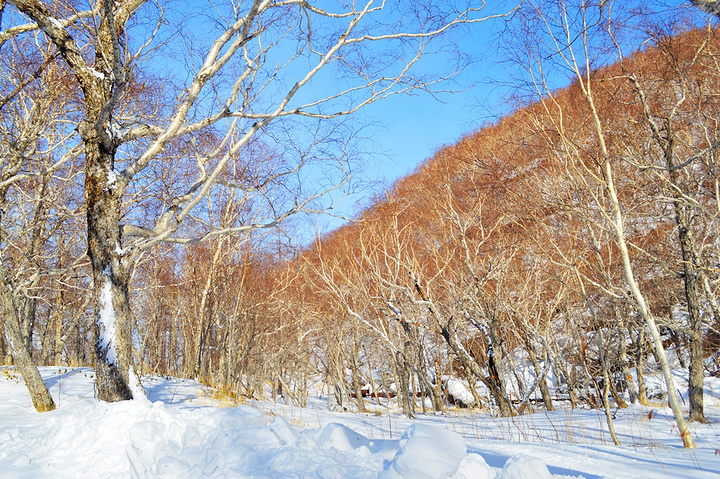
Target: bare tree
672	125
36	171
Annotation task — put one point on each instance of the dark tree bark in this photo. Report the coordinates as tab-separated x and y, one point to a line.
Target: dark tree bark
503	402
708	6
693	286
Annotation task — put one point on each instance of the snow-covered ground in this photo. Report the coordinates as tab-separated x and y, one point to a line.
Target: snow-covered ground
182	431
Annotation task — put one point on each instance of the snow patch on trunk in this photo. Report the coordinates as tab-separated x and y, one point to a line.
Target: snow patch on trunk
112	178
136	388
107	321
96	73
56	23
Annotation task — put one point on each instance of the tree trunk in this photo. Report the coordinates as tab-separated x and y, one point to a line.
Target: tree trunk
615	220
540	374
437	390
693	285
617	395
401	384
606	383
472	383
640	341
36	241
606	406
41	399
561	371
103	84
424	378
29	312
204	315
357	386
624	363
503	403
573	387
617	223
113	346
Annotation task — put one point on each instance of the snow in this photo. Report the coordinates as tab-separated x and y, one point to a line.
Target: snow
426	452
136	388
459	391
523	467
473	466
118	131
181	430
96	73
56	23
112	178
107	320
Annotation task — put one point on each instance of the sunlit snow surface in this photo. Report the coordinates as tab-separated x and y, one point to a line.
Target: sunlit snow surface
182	433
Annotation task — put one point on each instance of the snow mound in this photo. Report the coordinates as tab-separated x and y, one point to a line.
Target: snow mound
342	438
460	392
285	432
426	452
473	466
524	467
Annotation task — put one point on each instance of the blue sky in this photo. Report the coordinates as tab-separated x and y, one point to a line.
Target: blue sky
411	128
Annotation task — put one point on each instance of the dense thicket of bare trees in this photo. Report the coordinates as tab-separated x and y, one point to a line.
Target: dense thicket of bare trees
237	128
571	244
576	238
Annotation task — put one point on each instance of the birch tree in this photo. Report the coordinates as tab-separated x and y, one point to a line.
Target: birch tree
683	148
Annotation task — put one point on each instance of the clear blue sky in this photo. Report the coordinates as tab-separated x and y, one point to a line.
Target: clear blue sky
411	128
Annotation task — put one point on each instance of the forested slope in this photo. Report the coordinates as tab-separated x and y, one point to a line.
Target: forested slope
498	255
539	248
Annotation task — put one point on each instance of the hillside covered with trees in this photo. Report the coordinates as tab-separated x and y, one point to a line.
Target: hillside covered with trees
517	255
572	245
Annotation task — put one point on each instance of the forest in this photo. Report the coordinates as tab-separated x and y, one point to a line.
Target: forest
571	245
